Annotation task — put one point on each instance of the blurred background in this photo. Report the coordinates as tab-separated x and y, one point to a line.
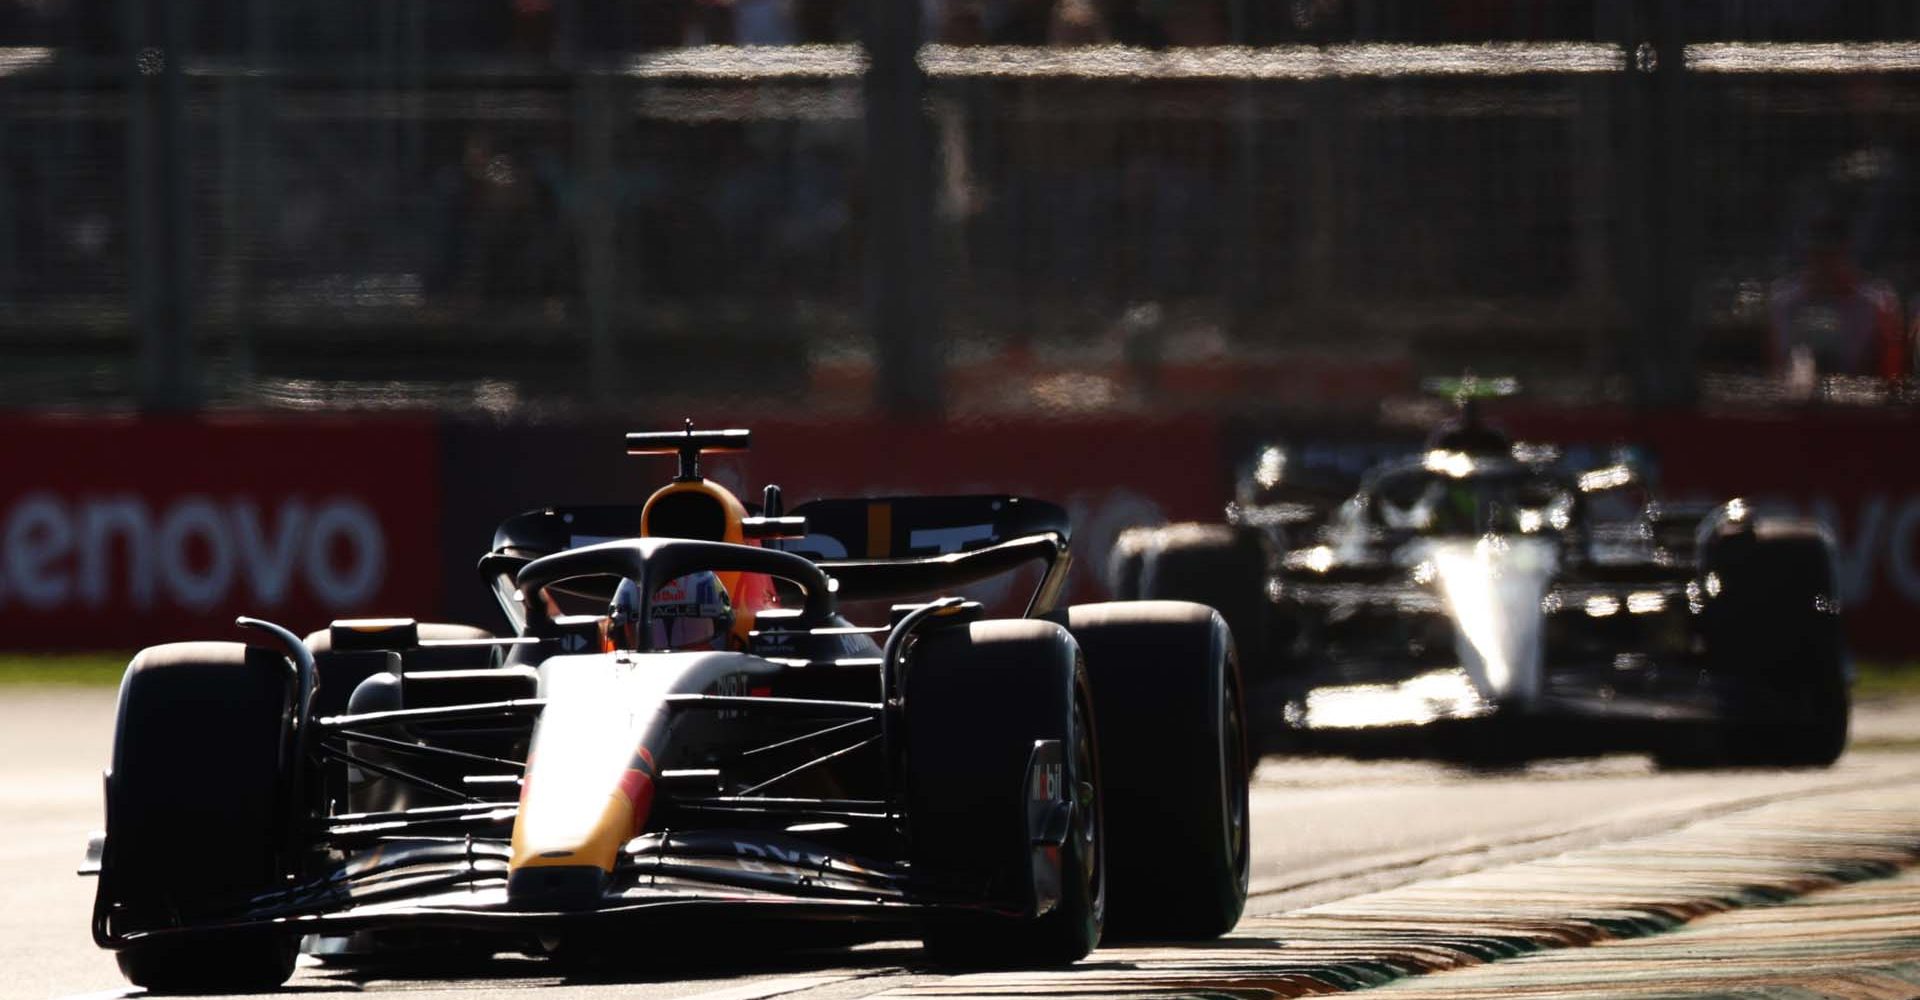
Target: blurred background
298	299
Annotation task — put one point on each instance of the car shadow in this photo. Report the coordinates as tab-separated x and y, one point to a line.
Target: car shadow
643	959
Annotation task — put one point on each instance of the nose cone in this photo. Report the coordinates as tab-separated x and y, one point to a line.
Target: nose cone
1492	588
589	778
589	781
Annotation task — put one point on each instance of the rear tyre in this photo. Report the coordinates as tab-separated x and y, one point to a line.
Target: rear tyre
195	819
341	671
1774	634
1821	739
1123	563
1172	716
1813	731
320	643
1225	569
976	699
1217	566
1796	618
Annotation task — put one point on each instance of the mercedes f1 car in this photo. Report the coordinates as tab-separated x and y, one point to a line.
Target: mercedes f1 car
1484	599
1003	788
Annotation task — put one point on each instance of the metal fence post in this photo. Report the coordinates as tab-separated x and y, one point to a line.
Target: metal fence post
1244	294
596	219
159	203
902	317
1660	250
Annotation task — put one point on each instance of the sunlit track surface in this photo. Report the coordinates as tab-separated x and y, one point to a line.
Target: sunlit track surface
1621	891
1334	838
1229	62
1855	941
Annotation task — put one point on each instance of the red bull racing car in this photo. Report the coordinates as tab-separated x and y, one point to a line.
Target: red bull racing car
683	730
1488	599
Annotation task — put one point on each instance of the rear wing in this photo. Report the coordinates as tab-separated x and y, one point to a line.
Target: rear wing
543	531
882	548
546	530
886	548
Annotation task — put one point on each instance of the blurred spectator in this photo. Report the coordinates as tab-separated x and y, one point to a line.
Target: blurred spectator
1016	22
955	22
1198	22
1830	318
820	21
1161	23
759	22
660	24
763	22
711	24
532	27
495	234
1076	22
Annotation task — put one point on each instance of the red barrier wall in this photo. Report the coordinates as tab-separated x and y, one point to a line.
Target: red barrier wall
115	533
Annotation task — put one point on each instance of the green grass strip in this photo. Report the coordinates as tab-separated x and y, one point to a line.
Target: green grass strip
63	669
1886	680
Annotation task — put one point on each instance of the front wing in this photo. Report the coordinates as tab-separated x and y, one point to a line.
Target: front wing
462	884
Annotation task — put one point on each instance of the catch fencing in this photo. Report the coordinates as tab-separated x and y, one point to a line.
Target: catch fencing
537	207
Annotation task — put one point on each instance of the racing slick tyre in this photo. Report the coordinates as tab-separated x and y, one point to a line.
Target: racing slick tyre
1167	692
1224	569
342	670
320	643
1774	637
1215	565
1123	563
195	816
1775	625
977	698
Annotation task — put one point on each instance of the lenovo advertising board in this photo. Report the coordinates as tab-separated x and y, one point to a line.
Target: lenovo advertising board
115	533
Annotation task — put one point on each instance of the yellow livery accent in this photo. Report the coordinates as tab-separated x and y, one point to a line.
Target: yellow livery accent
599	848
589	777
731	512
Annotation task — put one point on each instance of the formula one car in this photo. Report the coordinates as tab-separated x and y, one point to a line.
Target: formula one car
682	733
1475	600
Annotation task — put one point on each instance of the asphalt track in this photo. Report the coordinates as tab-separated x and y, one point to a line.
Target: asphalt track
1326	830
1854	941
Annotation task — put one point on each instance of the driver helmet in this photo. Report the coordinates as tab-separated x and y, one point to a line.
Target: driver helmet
1459	509
1470	434
689	612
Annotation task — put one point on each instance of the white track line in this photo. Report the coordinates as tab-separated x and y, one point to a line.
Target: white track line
768	988
124	991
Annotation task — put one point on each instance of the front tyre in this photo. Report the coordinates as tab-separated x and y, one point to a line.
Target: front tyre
1774	637
195	818
235	962
977	699
1172	712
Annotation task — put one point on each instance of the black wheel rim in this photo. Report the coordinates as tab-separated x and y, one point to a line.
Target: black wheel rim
1235	776
1086	807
